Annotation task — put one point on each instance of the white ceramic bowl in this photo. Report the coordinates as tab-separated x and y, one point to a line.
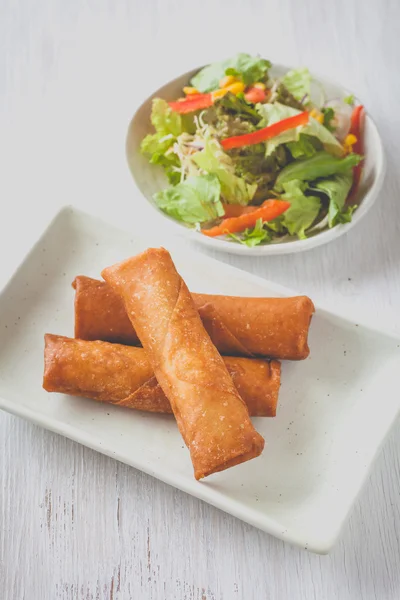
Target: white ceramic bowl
150	178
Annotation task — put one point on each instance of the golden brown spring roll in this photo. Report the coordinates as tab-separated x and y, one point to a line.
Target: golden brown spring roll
211	416
122	375
265	327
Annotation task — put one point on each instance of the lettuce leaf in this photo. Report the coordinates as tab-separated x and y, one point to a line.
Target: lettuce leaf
196	200
346	214
171	165
305	147
303	210
214	160
337	189
164	119
248	68
256	169
253	237
283	96
168	125
237	107
272	113
329	116
276	226
298	82
322	164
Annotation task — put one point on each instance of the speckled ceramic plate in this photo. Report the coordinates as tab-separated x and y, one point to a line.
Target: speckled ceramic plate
150	179
334	412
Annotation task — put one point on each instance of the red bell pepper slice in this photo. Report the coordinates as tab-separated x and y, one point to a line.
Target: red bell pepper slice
192	103
269	210
357	129
255	95
236	210
266	133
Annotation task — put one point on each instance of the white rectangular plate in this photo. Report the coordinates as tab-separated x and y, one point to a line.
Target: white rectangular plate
335	408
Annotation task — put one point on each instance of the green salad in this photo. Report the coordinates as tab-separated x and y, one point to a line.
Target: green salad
254	158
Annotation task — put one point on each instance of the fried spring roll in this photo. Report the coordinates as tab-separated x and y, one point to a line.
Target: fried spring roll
211	416
265	327
122	375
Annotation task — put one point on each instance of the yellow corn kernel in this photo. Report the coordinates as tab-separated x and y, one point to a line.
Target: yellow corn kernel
236	88
227	80
259	85
315	114
219	93
350	140
190	91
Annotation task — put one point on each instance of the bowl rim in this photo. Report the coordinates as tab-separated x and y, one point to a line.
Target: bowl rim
289	247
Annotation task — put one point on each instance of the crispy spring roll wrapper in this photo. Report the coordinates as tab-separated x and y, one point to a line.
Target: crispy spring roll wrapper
267	327
122	375
100	313
211	416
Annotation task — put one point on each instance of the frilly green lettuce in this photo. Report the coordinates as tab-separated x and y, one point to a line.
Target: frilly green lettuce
196	200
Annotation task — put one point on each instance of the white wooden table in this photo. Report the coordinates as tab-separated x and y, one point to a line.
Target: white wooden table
75	524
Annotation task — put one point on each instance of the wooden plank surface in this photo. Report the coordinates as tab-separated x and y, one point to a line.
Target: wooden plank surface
76	525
